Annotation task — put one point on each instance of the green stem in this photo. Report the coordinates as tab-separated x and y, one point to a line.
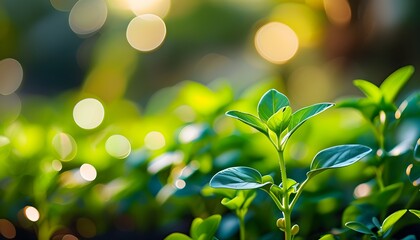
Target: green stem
241	217
286	208
298	192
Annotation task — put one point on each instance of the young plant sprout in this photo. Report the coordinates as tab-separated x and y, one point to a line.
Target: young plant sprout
277	121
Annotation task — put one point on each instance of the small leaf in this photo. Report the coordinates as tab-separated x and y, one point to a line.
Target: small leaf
394	82
415	212
238	178
359	227
327	237
270	103
234	203
291	186
391	220
280	120
303	114
249	119
205	229
376	222
177	236
369	89
336	157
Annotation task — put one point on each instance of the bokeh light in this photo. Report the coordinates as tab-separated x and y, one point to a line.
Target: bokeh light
69	237
185	113
338	11
88	16
88	113
56	165
154	140
7	229
11	75
63	5
31	213
65	145
146	32
157	7
362	190
189	133
88	172
118	146
276	42
180	184
86	227
10	107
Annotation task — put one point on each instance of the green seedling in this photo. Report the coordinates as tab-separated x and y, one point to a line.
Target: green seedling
277	121
201	229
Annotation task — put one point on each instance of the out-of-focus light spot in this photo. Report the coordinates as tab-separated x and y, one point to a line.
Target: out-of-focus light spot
88	16
88	113
338	11
86	227
56	165
327	205
63	5
185	113
401	109
118	146
164	160
109	190
11	75
416	182
382	117
7	229
31	213
157	7
88	172
180	184
65	146
165	193
71	178
4	141
189	133
69	237
146	32
362	190
10	107
154	140
276	42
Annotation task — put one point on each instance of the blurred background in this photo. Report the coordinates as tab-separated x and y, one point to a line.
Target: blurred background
130	95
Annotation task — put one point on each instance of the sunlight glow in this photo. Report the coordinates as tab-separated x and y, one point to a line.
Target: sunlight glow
65	145
185	113
63	5
11	75
7	229
362	190
31	213
164	161
88	113
338	11
157	7
118	146
190	133
56	165
180	184
88	172
88	16
276	42
154	140
146	32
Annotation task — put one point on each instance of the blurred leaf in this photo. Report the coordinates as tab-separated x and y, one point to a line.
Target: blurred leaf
359	227
303	114
249	119
391	220
367	107
270	103
206	227
410	107
327	237
336	157
280	120
369	89
177	236
394	82
413	173
238	178
417	150
376	222
415	212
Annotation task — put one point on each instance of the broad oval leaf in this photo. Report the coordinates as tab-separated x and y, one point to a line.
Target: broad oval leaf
270	103
391	220
369	89
280	120
394	82
178	236
205	229
238	178
249	119
303	114
336	157
358	227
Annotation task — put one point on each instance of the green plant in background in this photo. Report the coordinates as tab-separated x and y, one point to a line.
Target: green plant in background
276	121
200	229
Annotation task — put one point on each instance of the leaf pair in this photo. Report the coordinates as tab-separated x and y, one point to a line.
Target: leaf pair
275	115
249	178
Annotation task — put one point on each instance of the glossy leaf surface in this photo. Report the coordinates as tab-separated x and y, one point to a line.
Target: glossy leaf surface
369	89
391	220
238	178
270	103
205	229
280	120
394	82
248	119
358	227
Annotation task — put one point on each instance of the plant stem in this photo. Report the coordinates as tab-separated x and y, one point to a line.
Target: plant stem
286	208
241	217
298	192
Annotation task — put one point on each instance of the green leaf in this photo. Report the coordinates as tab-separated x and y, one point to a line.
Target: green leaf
417	150
367	107
238	178
369	89
205	229
394	82
327	237
391	220
178	236
410	107
280	120
336	157
303	114
270	103
415	212
249	119
234	203
359	227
